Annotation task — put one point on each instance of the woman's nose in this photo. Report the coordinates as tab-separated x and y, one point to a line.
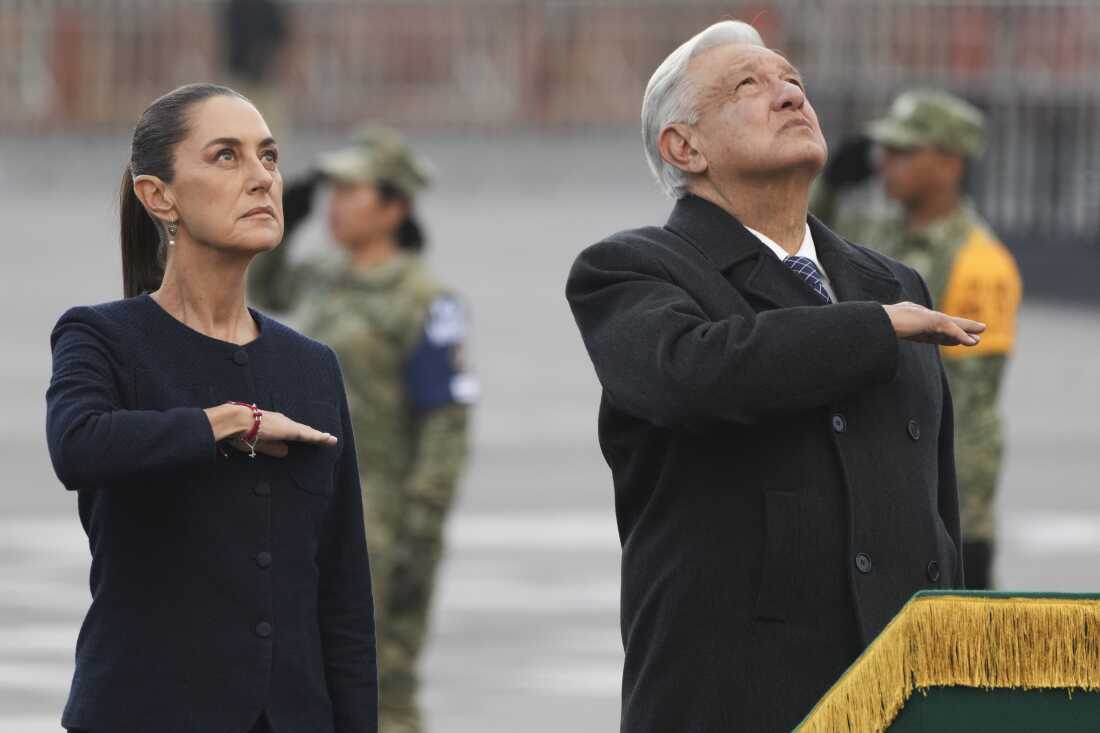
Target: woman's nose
260	177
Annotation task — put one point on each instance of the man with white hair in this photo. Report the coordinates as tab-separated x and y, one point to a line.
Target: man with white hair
774	411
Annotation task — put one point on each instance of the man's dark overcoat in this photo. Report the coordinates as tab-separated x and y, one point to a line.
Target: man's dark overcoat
784	470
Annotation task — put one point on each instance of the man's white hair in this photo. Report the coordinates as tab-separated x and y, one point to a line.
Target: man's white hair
670	96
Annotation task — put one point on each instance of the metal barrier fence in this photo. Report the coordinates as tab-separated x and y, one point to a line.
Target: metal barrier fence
1033	66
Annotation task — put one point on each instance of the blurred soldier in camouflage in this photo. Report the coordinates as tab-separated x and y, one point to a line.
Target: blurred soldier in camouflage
400	337
916	212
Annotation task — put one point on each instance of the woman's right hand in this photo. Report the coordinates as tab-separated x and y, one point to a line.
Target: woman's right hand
276	430
231	422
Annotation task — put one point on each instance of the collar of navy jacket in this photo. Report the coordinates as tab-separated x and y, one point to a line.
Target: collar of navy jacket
752	269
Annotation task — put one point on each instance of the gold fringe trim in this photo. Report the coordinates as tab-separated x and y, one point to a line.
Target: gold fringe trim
964	641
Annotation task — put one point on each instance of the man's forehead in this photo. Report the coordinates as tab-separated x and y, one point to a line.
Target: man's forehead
764	60
738	57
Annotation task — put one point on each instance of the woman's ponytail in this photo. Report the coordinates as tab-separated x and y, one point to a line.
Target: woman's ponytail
410	237
142	262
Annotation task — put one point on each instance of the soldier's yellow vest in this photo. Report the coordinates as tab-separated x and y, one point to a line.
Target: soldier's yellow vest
984	285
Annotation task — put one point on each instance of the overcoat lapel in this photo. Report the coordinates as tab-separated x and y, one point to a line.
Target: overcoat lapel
853	275
757	273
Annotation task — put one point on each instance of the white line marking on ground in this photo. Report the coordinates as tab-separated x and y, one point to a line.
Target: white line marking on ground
31	724
1053	533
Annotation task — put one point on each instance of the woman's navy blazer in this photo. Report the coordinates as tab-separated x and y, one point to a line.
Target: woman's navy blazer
222	585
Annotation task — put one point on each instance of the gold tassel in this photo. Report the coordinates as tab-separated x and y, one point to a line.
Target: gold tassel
968	641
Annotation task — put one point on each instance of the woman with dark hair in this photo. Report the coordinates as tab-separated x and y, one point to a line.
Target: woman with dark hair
399	334
212	454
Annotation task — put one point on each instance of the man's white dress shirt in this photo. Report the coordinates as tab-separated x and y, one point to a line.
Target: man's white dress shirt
807	250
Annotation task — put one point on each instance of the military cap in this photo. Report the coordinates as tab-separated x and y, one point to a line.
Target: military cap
931	118
377	155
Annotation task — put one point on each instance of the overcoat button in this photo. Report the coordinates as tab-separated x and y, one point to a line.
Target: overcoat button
863	562
839	424
240	357
263	559
263	629
262	489
914	430
934	571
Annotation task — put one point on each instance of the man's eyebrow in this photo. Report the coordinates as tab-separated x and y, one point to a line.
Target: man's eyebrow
790	69
746	66
733	75
784	67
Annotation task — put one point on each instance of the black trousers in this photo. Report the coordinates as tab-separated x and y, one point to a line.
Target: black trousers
978	565
260	726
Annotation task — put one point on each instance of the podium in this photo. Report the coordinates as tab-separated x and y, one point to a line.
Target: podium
974	661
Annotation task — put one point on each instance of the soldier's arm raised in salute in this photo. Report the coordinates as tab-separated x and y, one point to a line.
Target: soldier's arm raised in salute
274	282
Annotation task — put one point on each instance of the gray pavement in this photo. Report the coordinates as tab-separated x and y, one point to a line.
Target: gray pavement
526	631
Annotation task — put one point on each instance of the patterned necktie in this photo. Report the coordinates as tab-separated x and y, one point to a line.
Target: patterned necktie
805	268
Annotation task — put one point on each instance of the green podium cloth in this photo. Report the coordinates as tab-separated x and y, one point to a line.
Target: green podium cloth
974	661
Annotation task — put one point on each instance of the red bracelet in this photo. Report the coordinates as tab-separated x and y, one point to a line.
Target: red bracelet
252	437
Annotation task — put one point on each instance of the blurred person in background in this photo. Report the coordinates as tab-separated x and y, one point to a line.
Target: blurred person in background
253	35
916	211
400	335
212	454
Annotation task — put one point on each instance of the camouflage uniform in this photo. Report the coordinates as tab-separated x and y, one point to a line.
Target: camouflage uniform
969	272
399	335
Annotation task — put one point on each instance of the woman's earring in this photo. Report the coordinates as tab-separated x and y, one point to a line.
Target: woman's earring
173	227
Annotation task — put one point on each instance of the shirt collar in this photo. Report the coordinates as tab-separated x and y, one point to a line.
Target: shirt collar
807	250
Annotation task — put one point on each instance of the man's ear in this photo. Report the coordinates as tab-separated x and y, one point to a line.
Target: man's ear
677	148
154	195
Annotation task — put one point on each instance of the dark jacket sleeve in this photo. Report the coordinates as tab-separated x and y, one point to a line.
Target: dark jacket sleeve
345	602
93	441
948	494
661	358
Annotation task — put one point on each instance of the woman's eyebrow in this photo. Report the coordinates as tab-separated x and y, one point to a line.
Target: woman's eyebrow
231	141
235	142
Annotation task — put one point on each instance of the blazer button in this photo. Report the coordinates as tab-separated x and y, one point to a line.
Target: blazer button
934	571
863	562
914	430
262	489
263	629
263	559
240	357
839	423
